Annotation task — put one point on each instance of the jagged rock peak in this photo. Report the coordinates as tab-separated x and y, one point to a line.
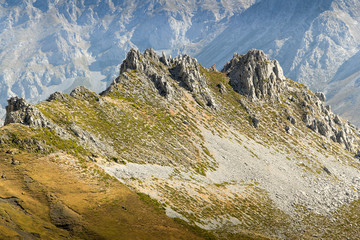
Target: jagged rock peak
254	75
183	68
163	59
186	70
137	61
318	117
19	111
16	103
321	96
162	72
151	67
131	61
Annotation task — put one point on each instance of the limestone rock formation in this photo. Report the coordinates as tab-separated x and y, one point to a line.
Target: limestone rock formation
254	75
319	118
260	79
331	126
186	70
251	74
165	75
149	65
82	92
19	111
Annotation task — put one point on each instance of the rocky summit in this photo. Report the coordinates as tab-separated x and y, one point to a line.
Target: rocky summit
174	150
253	75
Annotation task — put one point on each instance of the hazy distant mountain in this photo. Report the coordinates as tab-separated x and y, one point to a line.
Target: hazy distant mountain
311	39
343	90
258	156
48	45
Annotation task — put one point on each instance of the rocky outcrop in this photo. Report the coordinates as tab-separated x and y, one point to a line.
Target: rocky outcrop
185	69
19	111
260	79
148	64
254	75
57	96
82	93
162	72
319	118
251	74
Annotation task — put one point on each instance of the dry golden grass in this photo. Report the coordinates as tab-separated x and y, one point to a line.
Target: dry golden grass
106	209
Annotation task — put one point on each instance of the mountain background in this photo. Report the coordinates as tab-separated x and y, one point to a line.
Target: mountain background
56	45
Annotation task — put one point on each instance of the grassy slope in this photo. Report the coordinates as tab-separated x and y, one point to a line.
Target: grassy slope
101	207
154	131
344	223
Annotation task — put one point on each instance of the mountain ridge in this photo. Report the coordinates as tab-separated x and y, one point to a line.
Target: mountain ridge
251	153
87	41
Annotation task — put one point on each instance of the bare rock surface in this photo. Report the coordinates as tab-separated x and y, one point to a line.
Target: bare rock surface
254	75
166	75
19	111
261	79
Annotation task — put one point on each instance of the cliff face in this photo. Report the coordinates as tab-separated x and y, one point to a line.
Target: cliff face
258	78
254	75
251	152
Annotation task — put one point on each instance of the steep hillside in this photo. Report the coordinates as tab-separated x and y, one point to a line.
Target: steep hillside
49	46
245	153
315	42
310	39
49	190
